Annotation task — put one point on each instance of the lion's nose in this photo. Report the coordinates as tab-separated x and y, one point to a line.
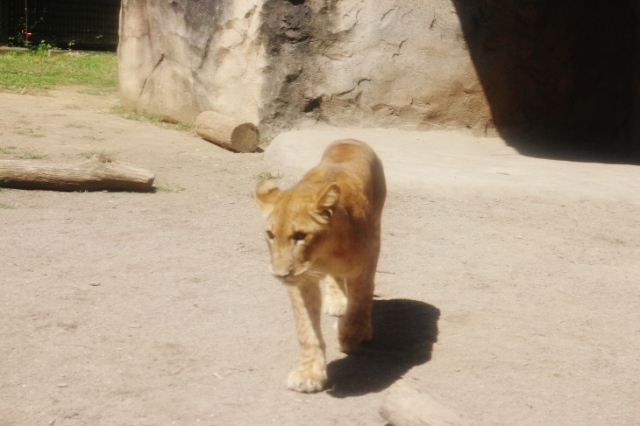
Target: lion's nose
281	272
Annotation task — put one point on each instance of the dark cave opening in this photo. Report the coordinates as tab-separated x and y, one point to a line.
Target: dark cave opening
562	78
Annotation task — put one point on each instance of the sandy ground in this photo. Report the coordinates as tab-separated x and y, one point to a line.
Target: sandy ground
508	287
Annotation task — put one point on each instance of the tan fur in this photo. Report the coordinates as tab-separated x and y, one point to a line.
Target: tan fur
327	227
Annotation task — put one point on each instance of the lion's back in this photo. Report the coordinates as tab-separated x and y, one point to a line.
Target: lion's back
356	168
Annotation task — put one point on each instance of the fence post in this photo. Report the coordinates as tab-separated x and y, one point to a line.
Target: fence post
4	23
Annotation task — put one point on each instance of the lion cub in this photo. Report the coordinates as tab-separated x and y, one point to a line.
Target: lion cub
327	227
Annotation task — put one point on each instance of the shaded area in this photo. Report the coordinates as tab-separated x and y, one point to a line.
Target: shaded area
559	76
4	22
404	332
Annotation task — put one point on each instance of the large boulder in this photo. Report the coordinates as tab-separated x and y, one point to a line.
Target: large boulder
556	70
277	62
384	63
178	58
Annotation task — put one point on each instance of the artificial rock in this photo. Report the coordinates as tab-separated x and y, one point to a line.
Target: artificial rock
556	70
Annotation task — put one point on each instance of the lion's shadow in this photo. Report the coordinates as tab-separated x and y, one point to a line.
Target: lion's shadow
404	332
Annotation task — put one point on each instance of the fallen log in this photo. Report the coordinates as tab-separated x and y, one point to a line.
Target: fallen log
97	174
227	132
405	406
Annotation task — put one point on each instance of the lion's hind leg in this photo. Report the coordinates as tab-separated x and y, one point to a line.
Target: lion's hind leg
355	326
335	297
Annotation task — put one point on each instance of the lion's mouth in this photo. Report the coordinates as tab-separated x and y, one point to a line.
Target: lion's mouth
300	273
294	277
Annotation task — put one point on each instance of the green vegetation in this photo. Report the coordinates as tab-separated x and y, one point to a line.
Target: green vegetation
29	132
43	68
151	119
7	206
24	155
7	149
611	240
107	155
268	176
265	141
37	70
29	155
167	188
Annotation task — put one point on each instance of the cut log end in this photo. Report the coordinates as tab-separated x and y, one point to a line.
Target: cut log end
228	132
245	137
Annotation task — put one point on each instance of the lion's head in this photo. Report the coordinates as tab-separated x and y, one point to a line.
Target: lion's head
298	227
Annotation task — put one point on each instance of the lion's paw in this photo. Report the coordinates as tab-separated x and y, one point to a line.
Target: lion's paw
306	380
350	339
335	305
348	345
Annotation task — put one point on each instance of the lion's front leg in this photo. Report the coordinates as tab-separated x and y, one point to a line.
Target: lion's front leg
335	297
311	374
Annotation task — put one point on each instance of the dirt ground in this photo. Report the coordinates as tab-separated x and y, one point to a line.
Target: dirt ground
511	304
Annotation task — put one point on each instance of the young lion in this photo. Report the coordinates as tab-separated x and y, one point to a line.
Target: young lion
327	226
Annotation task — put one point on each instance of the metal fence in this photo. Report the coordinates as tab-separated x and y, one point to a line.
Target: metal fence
63	23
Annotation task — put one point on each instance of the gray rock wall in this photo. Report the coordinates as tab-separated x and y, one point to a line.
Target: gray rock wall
560	71
383	63
277	62
178	58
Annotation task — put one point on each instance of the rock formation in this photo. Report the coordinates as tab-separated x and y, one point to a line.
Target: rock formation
559	70
384	63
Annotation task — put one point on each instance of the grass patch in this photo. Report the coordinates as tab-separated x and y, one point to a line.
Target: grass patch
117	109
611	240
108	155
7	150
268	176
145	118
184	127
7	206
30	155
265	141
154	119
167	188
132	115
29	132
36	71
95	92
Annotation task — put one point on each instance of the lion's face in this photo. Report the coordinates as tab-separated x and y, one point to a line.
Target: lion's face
297	227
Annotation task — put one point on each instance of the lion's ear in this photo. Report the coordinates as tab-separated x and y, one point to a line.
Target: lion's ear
326	203
266	194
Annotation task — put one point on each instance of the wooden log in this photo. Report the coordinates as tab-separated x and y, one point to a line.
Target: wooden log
405	406
97	174
228	132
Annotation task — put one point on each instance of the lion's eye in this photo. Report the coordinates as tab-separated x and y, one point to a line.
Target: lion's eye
299	236
270	235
